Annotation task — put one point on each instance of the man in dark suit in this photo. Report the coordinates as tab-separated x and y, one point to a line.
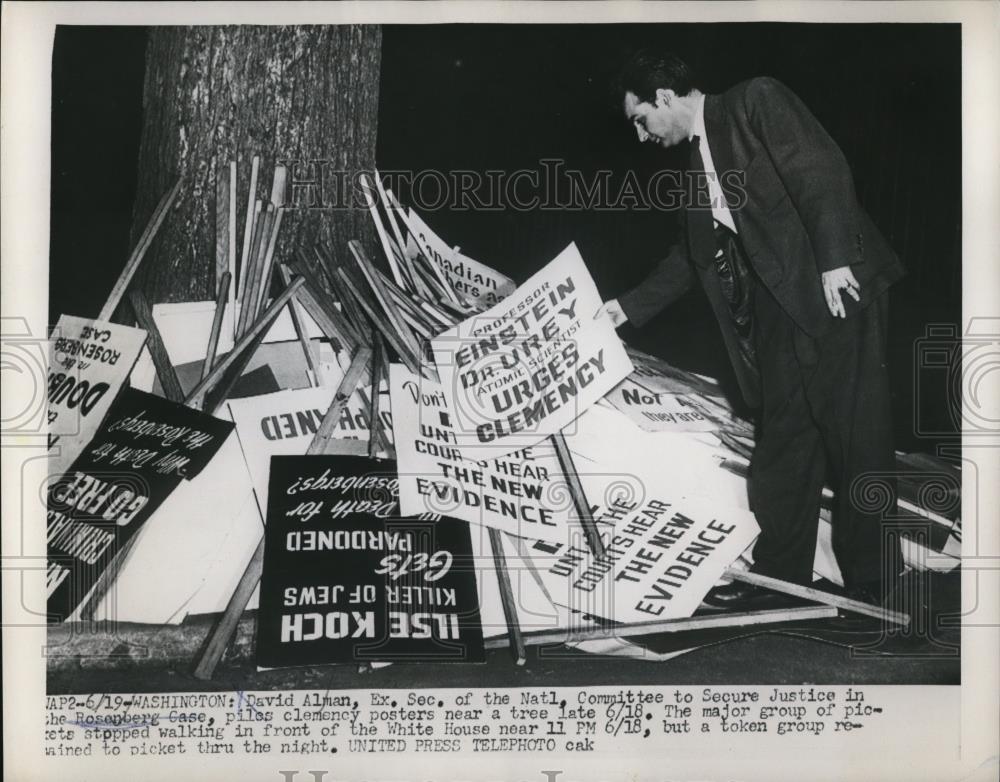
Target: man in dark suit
797	276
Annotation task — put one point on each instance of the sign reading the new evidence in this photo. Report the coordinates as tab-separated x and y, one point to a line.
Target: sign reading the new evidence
526	368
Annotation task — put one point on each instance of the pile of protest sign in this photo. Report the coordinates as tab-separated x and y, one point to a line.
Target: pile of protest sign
398	458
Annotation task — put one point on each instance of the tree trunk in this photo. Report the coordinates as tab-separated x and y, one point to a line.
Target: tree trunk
215	94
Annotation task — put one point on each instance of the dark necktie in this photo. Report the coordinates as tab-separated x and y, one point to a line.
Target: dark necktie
700	225
720	247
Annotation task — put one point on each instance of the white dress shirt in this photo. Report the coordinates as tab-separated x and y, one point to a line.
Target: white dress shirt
720	211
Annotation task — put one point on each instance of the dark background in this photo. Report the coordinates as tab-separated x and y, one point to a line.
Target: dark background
483	97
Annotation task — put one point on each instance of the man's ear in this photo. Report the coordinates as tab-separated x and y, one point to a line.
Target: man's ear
665	97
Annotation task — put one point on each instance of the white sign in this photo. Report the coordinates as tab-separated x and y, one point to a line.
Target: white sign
657	412
285	422
523	493
89	361
529	366
472	280
662	555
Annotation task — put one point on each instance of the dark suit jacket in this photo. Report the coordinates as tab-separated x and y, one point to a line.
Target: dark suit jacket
798	218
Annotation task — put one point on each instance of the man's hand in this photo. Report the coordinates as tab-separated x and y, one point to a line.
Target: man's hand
613	310
835	282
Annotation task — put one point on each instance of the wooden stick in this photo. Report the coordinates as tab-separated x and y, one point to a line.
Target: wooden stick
218	638
278	186
268	263
374	422
349	308
412	362
138	253
372	202
747	619
382	296
263	322
359	363
320	315
312	371
248	226
345	331
220	311
216	396
390	218
579	497
232	240
221	221
446	321
817	596
261	233
514	637
406	305
161	359
436	270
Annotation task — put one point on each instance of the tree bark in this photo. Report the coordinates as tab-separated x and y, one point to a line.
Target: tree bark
215	94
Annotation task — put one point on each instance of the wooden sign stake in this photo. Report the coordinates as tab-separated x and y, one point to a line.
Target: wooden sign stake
514	637
817	596
312	369
264	322
218	637
220	312
132	264
746	619
359	363
165	371
579	497
248	226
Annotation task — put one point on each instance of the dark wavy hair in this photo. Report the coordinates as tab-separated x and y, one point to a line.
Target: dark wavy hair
649	70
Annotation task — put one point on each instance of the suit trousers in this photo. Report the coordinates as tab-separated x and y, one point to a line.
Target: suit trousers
826	416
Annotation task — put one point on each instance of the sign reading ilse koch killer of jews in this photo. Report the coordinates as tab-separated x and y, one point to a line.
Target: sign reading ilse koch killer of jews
526	368
347	579
473	280
88	362
144	449
662	555
523	493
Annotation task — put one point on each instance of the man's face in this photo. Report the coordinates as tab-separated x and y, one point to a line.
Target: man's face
661	122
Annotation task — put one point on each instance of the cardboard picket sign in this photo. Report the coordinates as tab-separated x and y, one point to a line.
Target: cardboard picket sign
523	493
526	368
662	554
189	553
472	280
347	579
657	412
144	449
285	422
89	362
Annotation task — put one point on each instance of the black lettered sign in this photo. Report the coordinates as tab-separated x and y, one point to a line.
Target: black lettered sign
347	579
142	451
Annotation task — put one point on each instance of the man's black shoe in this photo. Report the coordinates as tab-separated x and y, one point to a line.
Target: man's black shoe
737	594
877	593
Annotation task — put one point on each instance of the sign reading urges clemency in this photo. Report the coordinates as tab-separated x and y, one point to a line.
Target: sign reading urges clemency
144	449
88	362
348	579
529	366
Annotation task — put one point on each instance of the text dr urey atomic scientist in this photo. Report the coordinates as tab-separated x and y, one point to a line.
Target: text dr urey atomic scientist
797	276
